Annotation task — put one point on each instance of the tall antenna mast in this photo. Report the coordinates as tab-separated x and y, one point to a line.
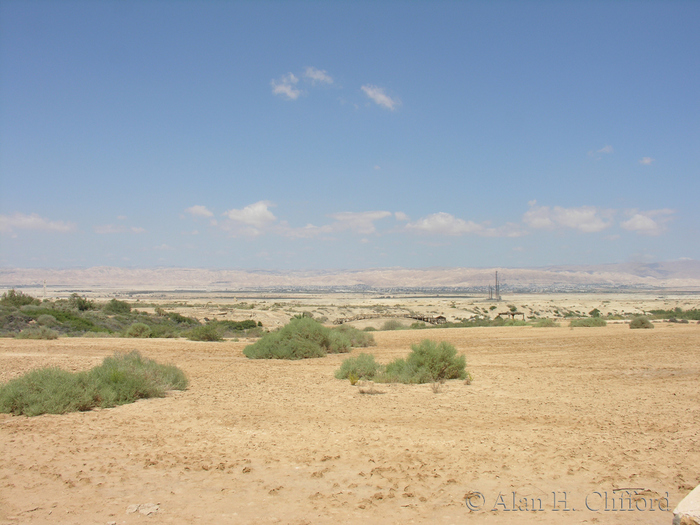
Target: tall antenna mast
498	291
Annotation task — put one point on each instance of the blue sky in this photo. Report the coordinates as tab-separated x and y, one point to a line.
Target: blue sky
311	135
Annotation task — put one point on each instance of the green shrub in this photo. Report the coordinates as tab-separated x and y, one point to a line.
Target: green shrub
641	322
30	308
358	338
181	319
339	343
546	323
677	313
17	299
116	306
301	338
124	378
69	319
207	332
594	313
121	379
37	333
588	323
46	320
363	366
392	324
80	303
428	362
139	330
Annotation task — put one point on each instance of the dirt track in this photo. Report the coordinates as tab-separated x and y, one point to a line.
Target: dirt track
575	412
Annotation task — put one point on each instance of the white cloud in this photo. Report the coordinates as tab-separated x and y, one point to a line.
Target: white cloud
650	222
358	222
305	232
107	229
361	223
444	224
199	211
286	87
378	95
401	216
251	220
317	75
256	214
646	161
605	150
587	219
21	221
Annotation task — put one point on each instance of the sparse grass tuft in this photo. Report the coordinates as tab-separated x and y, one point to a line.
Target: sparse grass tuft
546	323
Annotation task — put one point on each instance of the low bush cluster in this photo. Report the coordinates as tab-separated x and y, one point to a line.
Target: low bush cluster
428	362
41	332
546	323
17	299
692	314
120	379
302	338
589	322
641	322
363	366
20	314
392	324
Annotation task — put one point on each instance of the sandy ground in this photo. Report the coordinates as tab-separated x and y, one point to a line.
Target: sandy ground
557	415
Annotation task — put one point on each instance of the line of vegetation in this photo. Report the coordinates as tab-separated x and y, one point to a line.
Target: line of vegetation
120	379
588	322
692	314
304	337
24	316
428	362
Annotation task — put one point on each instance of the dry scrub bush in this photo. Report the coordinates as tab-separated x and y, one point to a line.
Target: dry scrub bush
139	330
428	362
641	322
37	333
121	379
589	322
363	366
301	338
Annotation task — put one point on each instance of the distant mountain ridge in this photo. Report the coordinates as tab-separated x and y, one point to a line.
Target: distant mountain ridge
675	275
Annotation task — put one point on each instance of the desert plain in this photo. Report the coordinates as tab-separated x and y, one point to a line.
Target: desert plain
558	425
